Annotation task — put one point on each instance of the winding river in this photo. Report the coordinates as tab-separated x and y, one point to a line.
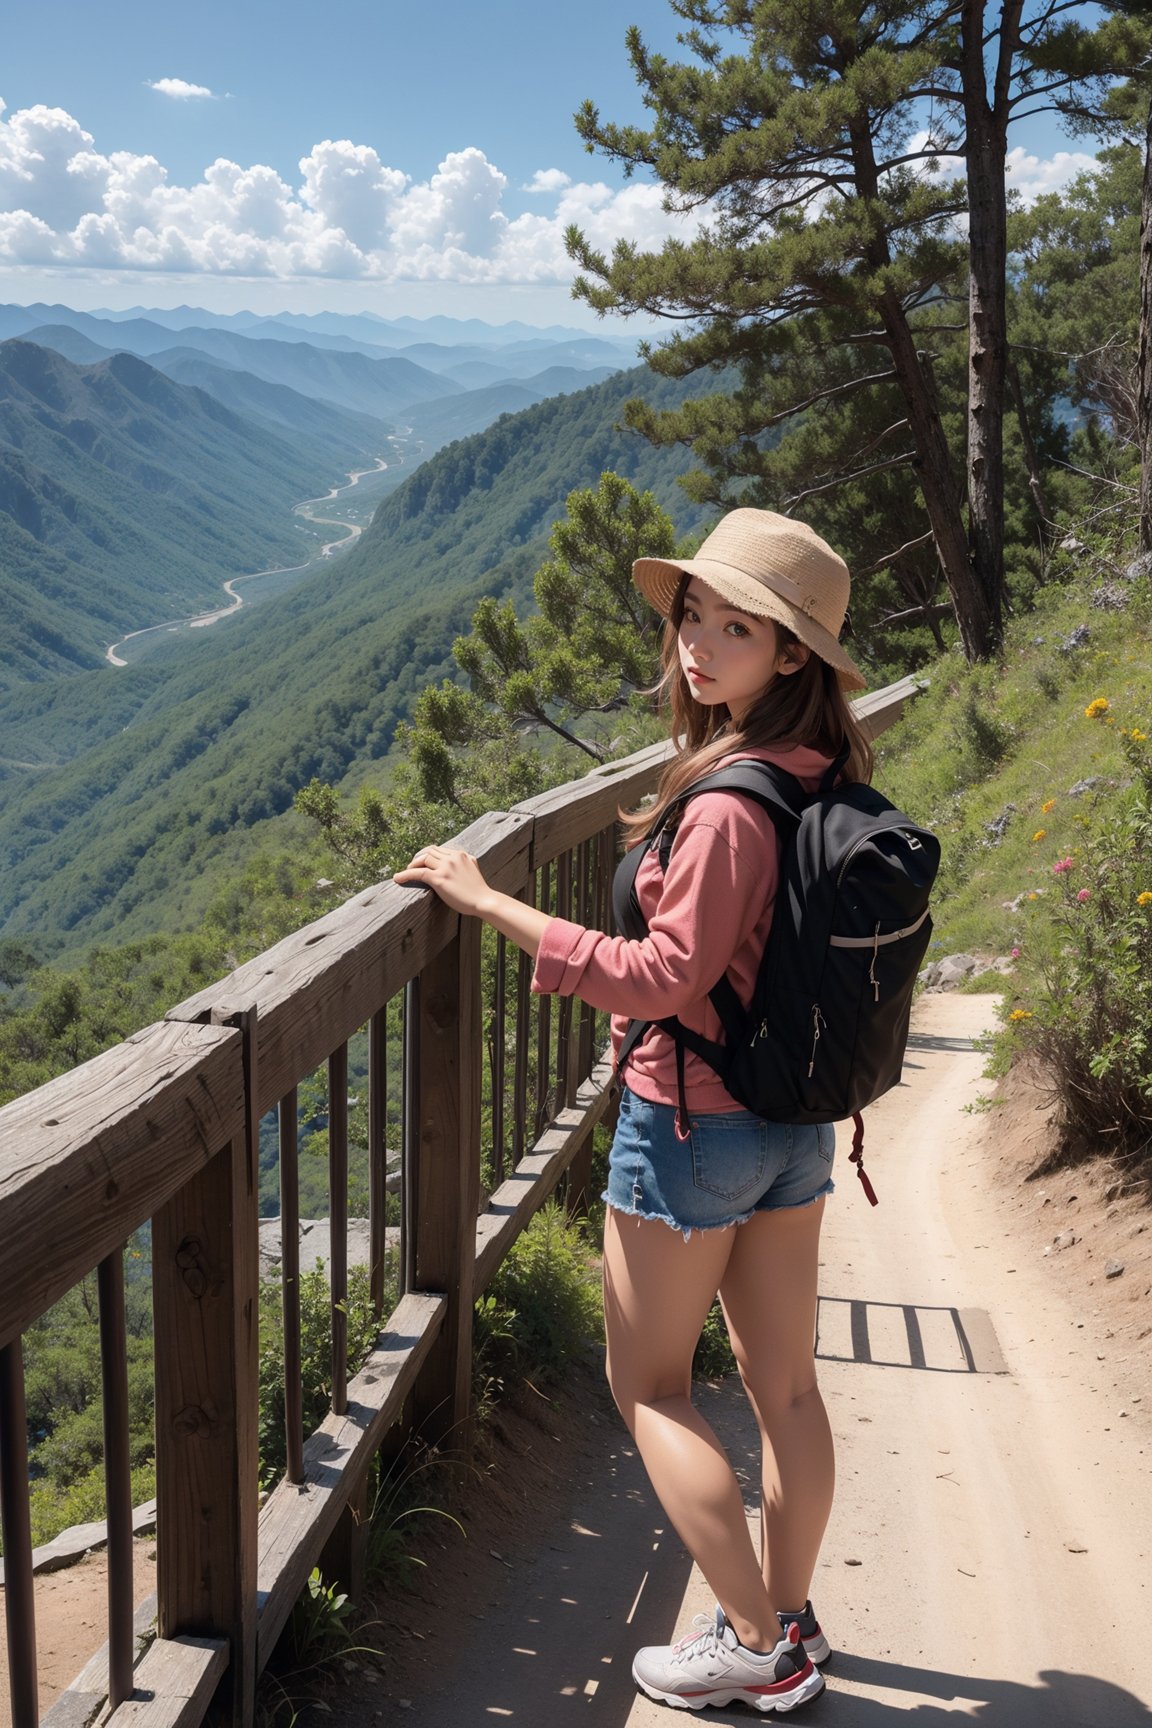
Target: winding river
310	509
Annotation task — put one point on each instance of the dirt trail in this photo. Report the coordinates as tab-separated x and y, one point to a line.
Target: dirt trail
988	1555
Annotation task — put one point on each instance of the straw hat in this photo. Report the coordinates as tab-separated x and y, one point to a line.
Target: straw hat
774	567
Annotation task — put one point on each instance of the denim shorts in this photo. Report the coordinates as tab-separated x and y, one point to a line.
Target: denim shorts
732	1165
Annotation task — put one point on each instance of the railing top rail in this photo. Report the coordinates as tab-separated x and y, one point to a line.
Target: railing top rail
89	1157
316	987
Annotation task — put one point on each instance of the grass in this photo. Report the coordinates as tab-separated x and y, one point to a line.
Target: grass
984	750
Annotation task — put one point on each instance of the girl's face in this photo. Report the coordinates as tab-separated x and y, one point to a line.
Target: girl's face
729	656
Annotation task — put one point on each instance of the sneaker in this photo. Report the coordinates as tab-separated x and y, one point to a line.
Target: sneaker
711	1666
811	1634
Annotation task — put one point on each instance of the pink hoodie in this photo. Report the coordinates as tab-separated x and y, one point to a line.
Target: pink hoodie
710	914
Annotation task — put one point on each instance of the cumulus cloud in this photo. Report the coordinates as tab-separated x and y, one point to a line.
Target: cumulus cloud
548	180
349	187
180	89
348	215
1033	176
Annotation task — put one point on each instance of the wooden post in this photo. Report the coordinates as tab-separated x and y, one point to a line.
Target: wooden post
344	1559
205	1248
447	1109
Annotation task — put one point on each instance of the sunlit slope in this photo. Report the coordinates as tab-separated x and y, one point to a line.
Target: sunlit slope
165	765
126	499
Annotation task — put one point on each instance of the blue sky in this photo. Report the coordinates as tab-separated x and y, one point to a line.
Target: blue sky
156	155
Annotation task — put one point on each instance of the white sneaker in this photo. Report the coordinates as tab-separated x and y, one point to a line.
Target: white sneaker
811	1633
711	1666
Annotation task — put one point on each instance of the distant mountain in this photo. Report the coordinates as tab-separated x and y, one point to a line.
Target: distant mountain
559	380
382	388
170	768
440	329
125	499
347	378
362	327
18	320
343	432
438	423
72	343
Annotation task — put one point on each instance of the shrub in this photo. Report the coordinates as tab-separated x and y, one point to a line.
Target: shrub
1085	1006
543	1307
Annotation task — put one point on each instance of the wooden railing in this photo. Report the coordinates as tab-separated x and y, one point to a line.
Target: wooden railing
166	1128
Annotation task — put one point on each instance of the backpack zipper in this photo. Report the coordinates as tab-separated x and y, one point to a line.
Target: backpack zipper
866	839
817	1021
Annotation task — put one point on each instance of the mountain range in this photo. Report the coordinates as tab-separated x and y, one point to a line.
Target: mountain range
127	499
127	791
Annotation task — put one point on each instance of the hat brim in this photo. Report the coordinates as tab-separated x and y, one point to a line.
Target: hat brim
659	579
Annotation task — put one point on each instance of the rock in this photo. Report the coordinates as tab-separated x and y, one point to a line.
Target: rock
1114	1268
1139	567
1108	598
1079	638
1066	1239
997	828
1083	786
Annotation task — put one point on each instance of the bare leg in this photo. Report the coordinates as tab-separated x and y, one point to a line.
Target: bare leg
657	1292
769	1296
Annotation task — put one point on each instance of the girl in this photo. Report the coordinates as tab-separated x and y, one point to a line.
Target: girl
752	668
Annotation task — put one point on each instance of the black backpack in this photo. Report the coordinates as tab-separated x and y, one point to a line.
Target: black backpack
825	1031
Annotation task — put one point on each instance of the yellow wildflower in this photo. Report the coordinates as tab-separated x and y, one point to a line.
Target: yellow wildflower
1048	805
1100	705
1137	736
1019	1014
1144	899
1040	834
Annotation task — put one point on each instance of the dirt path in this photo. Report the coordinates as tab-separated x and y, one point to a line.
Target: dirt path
988	1556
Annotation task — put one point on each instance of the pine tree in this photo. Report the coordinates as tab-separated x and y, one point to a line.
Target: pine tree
798	134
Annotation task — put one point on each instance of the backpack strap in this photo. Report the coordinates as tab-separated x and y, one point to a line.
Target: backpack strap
783	797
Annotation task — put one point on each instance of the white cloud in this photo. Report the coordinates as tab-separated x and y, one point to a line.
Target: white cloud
548	180
180	89
1033	176
349	216
349	187
48	167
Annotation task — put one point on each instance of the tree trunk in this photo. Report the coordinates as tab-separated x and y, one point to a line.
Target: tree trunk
979	625
986	126
1144	360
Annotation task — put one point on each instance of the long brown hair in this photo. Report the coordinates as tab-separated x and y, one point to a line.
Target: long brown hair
807	707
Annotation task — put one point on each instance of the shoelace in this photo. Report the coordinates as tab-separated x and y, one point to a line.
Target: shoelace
701	1643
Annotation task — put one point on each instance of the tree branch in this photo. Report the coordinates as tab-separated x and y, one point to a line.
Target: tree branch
844	479
942	609
891	557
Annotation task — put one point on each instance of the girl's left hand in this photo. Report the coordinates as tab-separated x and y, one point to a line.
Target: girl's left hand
453	874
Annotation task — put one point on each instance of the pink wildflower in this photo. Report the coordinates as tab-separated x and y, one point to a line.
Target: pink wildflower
1061	866
1084	894
1015	953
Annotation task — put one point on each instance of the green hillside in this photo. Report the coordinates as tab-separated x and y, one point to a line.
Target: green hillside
126	499
168	770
